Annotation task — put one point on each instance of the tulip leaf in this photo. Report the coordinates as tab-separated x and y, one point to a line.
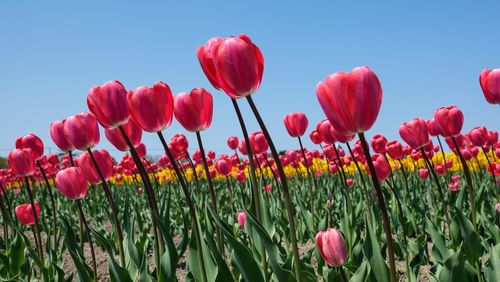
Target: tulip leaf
371	249
492	271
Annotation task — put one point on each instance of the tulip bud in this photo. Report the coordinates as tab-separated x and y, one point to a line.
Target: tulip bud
82	131
22	162
449	120
296	124
242	216
72	183
109	104
24	213
33	142
490	84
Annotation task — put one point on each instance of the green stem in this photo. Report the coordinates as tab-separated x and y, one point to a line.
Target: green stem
309	178
89	238
36	225
284	183
54	219
383	208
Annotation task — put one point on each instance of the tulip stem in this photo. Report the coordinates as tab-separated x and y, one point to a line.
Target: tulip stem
112	204
253	178
309	176
472	195
193	167
36	226
284	184
151	198
4	215
341	167
54	219
492	173
220	244
363	182
444	157
87	232
191	206
12	218
72	163
383	208
438	186
343	274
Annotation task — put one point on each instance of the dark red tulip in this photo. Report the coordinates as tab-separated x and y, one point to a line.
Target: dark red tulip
108	103
152	108
296	124
351	101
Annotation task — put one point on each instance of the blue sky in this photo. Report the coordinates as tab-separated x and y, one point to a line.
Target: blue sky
426	54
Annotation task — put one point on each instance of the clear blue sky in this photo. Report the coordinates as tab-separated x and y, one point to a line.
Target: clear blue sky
426	54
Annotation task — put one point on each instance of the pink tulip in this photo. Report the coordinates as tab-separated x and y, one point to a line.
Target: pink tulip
490	84
82	131
478	136
33	142
315	138
115	137
326	131
414	133
58	136
24	213
378	143
432	127
394	149
258	142
232	142
72	183
423	173
331	246
242	216
382	168
152	108
351	101
449	120
206	56
296	124
108	103
22	162
223	167
104	162
194	110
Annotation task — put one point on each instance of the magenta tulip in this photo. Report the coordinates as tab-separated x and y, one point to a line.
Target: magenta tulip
82	131
194	110
490	84
331	246
58	136
72	183
449	120
108	103
296	124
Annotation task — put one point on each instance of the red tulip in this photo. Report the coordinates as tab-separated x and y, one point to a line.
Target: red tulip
58	136
432	127
104	162
449	120
492	138
82	131
22	162
382	168
236	63
296	124
33	142
115	137
179	142
478	136
351	101
108	103
378	143
258	142
194	110
315	138
24	213
349	182
223	167
141	150
440	169
414	133
152	108
72	183
423	173
331	246
490	84
268	188
241	177
232	142
394	149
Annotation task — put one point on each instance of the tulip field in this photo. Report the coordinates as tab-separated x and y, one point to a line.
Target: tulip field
425	207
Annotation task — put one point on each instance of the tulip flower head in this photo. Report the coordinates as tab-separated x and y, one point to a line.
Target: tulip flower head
351	101
414	133
72	183
490	84
242	216
32	142
296	124
108	102
82	131
24	213
194	110
449	120
22	162
58	136
331	246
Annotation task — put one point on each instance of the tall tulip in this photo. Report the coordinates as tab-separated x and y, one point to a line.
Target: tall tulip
414	133
449	120
116	138
82	131
351	101
151	107
108	102
378	143
72	183
105	164
490	84
58	136
478	136
331	246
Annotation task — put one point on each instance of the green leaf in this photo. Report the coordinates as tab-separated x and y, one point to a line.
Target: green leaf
439	250
244	259
472	243
492	271
84	272
371	250
454	269
362	274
